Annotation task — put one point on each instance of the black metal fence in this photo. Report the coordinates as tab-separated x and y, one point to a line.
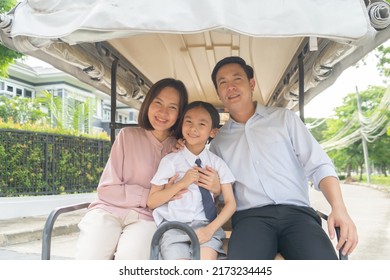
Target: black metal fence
33	163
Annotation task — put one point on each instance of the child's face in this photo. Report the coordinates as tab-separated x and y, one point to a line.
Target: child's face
164	109
197	126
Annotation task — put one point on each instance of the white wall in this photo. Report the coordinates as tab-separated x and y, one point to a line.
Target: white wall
14	207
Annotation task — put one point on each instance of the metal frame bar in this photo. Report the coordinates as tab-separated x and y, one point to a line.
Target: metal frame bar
155	245
48	228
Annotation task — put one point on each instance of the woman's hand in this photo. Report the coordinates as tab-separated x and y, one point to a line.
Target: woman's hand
170	183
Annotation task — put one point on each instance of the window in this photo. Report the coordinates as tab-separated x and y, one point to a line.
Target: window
106	115
19	92
1	85
99	107
59	92
10	88
27	93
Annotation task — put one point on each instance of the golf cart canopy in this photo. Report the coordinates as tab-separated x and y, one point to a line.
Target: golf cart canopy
123	47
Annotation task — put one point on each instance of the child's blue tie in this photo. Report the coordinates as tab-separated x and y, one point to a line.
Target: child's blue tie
208	203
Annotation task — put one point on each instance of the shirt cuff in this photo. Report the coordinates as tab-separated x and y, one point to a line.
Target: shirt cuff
324	171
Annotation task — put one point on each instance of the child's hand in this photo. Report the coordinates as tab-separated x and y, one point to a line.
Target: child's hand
204	234
191	176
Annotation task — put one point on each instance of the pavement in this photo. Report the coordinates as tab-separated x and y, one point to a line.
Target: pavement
24	236
21	238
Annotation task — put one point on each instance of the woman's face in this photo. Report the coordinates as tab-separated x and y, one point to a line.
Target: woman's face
164	109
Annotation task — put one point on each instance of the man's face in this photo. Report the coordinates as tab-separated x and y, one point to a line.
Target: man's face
233	87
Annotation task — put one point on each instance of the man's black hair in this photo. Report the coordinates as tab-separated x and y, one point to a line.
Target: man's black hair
228	60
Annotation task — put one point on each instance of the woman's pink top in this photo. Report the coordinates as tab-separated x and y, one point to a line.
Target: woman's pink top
125	182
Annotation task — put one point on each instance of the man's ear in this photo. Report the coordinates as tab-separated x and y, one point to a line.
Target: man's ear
252	84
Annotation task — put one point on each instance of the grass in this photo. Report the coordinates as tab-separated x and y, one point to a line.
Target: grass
375	180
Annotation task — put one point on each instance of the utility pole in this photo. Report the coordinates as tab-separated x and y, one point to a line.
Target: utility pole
364	143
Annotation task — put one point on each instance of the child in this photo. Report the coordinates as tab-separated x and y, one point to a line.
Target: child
118	224
199	124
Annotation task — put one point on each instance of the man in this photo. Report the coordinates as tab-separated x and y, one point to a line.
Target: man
271	154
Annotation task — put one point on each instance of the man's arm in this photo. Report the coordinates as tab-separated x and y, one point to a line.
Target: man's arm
339	216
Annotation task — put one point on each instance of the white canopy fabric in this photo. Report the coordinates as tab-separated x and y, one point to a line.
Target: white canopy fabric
185	38
98	20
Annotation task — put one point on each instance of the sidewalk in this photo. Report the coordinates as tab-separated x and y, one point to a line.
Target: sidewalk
27	229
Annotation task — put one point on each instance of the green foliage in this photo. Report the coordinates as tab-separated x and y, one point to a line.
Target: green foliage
28	114
70	114
384	60
36	163
6	5
343	132
37	158
45	128
7	56
380	180
317	128
21	110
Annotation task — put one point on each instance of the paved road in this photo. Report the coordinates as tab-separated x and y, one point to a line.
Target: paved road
370	209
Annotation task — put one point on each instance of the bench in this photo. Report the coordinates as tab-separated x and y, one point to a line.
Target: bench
50	221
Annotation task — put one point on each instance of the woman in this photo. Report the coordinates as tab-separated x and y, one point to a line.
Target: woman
118	224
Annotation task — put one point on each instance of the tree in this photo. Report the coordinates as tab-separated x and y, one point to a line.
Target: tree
317	128
346	128
7	56
21	110
70	114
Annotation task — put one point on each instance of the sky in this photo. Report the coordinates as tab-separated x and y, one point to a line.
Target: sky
362	77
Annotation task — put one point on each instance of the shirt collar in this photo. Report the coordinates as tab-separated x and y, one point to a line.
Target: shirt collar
261	110
190	157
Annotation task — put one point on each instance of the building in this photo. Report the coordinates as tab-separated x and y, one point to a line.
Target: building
30	79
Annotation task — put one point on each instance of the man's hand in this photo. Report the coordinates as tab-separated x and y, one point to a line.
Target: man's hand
330	187
179	145
348	232
209	180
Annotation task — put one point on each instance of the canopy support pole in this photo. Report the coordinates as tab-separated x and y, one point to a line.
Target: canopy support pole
113	99
301	77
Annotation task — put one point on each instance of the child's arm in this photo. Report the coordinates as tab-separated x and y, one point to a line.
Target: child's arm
160	195
205	234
